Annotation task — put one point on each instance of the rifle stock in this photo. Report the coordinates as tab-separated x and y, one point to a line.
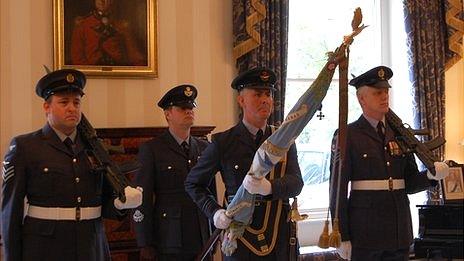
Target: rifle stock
101	159
409	143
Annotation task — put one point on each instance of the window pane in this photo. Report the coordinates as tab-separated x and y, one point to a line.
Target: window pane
316	28
314	142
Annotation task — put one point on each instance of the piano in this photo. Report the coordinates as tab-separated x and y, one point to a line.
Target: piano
440	231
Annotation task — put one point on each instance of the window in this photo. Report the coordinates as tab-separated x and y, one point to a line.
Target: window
316	28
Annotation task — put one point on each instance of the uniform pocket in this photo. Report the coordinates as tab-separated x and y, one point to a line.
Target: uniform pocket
34	226
167	169
359	218
37	237
170	234
234	171
166	175
369	161
44	181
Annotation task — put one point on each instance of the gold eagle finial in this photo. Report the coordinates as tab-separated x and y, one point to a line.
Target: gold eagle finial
357	19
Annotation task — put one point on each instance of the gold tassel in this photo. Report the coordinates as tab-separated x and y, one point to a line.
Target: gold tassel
294	213
324	237
335	237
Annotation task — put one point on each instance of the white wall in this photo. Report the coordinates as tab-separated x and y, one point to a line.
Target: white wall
194	46
454	134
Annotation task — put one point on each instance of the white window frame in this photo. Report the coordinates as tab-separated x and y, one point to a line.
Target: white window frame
310	230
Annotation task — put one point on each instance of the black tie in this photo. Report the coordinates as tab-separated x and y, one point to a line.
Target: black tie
69	145
185	146
259	137
380	130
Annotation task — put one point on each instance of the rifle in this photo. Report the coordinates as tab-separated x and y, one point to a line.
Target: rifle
209	245
217	232
409	143
101	160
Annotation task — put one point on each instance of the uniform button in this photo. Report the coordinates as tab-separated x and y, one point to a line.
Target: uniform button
388	163
169	167
45	169
79	199
77	180
236	166
189	161
164	215
364	155
74	160
385	148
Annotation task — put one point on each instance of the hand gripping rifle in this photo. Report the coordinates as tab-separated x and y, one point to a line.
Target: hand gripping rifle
409	143
101	160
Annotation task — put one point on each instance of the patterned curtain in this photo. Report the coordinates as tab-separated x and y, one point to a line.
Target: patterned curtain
426	31
260	39
427	36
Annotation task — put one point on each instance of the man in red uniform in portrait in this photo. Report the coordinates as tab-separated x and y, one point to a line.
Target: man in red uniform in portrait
100	39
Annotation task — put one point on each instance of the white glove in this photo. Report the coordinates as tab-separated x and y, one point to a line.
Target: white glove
221	220
133	198
260	186
345	250
441	171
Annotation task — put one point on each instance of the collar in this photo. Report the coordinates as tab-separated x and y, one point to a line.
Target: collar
252	129
63	136
373	122
179	140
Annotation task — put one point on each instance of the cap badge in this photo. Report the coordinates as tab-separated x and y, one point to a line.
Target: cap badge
381	74
188	91
70	78
264	76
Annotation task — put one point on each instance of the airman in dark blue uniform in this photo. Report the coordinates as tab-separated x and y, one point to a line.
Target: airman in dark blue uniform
49	167
231	152
375	221
168	225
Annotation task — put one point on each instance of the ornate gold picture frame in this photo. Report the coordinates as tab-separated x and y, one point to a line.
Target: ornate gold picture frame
106	38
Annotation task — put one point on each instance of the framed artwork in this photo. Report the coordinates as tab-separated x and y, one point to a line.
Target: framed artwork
453	184
108	38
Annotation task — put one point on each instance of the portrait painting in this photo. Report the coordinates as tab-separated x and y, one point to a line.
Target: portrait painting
115	38
453	184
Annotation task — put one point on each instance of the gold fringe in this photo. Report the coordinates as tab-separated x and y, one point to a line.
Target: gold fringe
294	214
335	237
273	149
324	237
255	38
